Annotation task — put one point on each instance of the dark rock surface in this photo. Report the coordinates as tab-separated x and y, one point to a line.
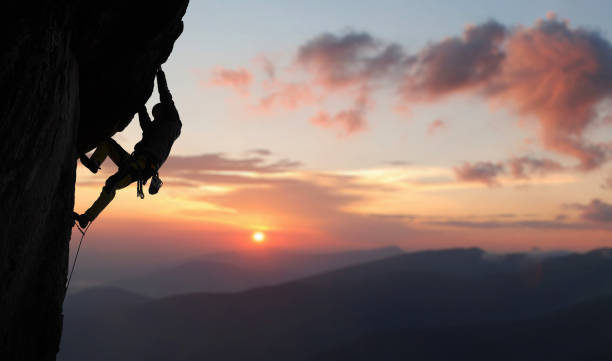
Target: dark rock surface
71	74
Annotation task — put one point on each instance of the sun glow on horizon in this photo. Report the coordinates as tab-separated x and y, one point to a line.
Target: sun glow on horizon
259	237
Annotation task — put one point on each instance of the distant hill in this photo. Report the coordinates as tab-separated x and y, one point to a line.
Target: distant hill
579	332
418	296
89	309
233	272
108	298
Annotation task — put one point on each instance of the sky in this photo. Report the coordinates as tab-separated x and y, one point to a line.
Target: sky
361	124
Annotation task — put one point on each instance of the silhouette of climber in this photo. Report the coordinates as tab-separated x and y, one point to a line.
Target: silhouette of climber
158	136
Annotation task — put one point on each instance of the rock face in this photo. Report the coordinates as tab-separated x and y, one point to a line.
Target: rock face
71	74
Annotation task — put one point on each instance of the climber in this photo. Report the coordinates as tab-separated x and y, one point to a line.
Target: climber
149	154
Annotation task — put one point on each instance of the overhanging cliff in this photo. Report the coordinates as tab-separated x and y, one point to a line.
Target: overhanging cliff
71	74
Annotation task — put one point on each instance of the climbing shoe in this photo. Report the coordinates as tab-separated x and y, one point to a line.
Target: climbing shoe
82	219
156	184
90	164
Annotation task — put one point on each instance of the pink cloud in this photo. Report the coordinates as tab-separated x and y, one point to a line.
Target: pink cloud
347	121
348	65
436	126
550	71
239	80
559	75
286	96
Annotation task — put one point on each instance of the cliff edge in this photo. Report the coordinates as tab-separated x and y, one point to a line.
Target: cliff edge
71	74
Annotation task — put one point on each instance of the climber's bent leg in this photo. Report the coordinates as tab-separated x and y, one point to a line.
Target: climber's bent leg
109	148
97	158
106	196
119	180
116	153
100	154
106	148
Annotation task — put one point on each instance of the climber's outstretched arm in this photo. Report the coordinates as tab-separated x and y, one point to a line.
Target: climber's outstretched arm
162	87
144	118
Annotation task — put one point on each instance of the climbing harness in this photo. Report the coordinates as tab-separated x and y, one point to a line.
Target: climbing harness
76	256
143	172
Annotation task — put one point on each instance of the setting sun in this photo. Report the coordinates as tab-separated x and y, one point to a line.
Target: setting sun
258	237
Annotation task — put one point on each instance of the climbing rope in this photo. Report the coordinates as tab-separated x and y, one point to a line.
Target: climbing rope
76	256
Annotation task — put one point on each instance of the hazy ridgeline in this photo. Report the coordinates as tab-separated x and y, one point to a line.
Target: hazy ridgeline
455	304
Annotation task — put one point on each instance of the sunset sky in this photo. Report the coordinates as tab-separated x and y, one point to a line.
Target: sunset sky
332	125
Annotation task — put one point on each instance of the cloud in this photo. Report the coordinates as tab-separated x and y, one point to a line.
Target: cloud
398	163
347	121
436	126
286	95
518	168
536	224
302	205
260	151
558	74
350	59
550	71
521	167
480	172
267	65
239	80
291	198
212	168
597	211
456	63
260	170
607	183
348	65
219	162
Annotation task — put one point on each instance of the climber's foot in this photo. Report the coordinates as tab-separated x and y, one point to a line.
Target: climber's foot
89	163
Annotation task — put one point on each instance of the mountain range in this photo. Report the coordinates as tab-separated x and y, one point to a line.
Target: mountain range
462	304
